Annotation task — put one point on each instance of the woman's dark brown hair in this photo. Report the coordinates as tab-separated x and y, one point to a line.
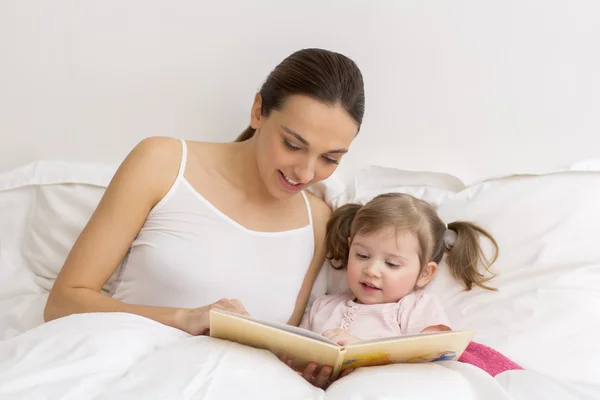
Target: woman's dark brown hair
408	214
324	75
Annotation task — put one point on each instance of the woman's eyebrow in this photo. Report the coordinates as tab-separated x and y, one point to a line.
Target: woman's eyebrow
305	142
296	135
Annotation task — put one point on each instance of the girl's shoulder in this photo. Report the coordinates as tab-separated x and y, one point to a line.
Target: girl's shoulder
419	310
330	301
415	299
417	302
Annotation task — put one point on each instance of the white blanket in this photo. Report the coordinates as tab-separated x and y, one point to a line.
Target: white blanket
109	356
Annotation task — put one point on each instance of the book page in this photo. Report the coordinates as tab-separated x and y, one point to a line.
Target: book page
258	334
419	348
285	327
403	337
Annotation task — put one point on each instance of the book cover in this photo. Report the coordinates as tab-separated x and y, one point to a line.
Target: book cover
305	346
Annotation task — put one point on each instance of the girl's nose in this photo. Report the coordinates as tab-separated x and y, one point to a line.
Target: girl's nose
372	269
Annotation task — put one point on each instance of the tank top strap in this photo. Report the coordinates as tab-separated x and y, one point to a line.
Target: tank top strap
183	158
310	219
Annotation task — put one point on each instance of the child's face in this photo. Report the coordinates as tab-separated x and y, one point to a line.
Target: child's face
384	266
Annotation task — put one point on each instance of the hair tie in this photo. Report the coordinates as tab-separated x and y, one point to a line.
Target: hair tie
449	238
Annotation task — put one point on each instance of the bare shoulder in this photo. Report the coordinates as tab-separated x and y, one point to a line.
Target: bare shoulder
153	162
158	149
321	212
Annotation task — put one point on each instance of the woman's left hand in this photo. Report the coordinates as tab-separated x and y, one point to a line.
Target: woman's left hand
340	336
317	376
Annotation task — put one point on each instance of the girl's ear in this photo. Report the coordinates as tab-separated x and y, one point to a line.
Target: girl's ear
427	274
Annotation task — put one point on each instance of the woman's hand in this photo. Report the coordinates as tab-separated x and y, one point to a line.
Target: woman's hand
340	336
318	377
196	321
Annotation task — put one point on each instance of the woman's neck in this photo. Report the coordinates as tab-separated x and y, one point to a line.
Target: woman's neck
242	172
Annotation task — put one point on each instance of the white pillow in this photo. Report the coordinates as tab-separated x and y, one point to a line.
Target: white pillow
15	206
385	177
585	165
432	187
332	190
546	314
60	199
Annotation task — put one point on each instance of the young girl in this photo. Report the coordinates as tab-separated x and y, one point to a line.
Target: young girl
391	248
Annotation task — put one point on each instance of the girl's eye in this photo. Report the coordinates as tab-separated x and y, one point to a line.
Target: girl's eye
391	265
362	256
290	146
330	160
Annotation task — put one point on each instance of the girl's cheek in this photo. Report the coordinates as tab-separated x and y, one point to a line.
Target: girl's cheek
352	273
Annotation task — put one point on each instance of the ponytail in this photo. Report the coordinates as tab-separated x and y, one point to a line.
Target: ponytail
337	238
465	255
247	134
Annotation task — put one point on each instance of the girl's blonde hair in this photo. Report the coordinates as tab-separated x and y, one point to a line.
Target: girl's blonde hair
408	214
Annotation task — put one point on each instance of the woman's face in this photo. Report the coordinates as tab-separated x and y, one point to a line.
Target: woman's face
300	144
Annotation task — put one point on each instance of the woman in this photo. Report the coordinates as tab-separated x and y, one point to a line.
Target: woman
191	226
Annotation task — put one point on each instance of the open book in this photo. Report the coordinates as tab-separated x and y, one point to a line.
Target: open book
305	346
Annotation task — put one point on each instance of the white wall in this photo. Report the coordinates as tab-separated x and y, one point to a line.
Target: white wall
474	88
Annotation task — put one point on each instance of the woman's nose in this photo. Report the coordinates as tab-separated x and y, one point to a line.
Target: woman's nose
305	172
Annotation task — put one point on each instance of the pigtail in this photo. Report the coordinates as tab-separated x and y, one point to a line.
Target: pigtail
338	234
465	255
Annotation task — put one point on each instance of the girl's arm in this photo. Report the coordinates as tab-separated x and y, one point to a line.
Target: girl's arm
436	328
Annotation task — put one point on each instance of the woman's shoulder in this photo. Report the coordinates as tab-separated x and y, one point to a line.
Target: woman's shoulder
168	153
151	166
158	152
320	210
321	213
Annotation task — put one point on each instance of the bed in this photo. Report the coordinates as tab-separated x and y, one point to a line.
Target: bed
496	95
545	315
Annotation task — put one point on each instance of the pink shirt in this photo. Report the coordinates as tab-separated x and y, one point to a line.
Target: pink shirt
413	313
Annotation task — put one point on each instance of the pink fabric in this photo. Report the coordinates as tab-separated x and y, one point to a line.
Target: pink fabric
487	359
410	315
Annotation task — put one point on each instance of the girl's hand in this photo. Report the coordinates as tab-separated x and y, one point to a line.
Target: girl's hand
196	321
320	378
340	336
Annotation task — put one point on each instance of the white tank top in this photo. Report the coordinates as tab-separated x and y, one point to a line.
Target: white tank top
189	254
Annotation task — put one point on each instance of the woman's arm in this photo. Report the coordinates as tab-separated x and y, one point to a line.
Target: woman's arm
141	181
319	376
143	178
320	213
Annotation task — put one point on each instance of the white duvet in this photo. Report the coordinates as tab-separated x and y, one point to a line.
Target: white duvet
121	356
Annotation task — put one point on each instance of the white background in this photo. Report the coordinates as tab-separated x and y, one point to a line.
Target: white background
473	88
